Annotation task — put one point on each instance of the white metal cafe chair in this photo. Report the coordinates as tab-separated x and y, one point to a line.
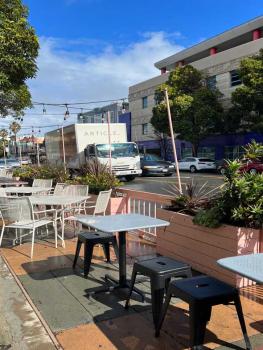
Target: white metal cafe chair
18	214
46	183
69	213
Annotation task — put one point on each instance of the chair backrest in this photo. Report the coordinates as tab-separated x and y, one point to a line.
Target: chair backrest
15	209
3	172
77	190
59	189
46	183
102	202
2	192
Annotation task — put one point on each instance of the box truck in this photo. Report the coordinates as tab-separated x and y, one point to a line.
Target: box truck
88	141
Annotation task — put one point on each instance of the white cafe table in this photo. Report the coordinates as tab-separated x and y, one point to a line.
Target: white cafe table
121	223
250	266
58	201
25	190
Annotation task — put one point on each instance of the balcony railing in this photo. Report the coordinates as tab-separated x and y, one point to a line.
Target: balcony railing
144	203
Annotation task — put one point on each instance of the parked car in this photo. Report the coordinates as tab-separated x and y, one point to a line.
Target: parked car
221	166
194	164
25	161
9	163
252	166
152	164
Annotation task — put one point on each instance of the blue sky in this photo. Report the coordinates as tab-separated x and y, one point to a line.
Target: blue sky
96	49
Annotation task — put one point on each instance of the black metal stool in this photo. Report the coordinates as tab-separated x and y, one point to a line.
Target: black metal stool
160	270
90	239
201	293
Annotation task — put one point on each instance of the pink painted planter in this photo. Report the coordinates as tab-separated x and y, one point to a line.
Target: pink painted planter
117	206
201	247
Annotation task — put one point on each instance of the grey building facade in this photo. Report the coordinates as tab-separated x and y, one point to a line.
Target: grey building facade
218	58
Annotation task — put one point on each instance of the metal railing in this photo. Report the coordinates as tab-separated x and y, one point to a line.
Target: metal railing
144	203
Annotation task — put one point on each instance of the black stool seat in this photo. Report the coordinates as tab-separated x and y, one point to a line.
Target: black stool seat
201	293
90	239
95	237
160	270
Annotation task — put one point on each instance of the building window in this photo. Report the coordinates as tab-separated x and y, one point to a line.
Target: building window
235	78
233	152
145	102
211	82
206	152
145	129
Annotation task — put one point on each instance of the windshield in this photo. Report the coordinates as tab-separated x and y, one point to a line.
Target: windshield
117	150
152	157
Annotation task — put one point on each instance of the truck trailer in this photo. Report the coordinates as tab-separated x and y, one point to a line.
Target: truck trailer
83	142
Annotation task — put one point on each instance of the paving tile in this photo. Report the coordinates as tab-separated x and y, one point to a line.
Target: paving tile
255	340
130	332
20	328
22	266
58	306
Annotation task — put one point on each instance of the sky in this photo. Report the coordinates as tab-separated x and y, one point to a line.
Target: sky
94	50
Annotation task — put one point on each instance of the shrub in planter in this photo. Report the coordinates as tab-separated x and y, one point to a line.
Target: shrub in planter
47	171
240	202
97	176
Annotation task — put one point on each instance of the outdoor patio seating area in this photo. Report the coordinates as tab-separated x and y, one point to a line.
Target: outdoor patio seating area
78	320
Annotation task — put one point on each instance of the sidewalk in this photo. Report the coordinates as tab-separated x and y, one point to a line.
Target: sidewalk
20	328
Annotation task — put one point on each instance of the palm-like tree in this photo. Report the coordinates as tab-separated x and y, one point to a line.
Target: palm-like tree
3	136
15	128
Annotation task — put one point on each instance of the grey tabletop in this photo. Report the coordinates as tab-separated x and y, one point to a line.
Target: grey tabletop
121	222
250	266
57	200
26	190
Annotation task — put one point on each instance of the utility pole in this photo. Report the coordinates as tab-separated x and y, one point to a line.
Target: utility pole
173	141
63	148
109	136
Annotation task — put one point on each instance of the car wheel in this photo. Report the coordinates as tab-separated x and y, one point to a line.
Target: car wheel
129	178
222	171
192	169
253	171
169	174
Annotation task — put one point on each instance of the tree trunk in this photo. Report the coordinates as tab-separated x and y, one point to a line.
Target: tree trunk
16	153
194	149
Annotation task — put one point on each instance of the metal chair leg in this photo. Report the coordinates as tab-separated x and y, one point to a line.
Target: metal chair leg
79	243
164	311
157	296
106	249
116	248
88	251
133	278
242	321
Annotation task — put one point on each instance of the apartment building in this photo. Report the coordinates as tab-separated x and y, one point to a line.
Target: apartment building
218	58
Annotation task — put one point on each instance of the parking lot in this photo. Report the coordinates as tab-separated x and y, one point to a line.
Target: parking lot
162	185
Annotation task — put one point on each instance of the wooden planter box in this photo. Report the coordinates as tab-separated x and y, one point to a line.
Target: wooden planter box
201	247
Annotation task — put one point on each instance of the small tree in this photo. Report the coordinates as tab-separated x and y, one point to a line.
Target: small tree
195	108
18	53
247	99
3	138
15	128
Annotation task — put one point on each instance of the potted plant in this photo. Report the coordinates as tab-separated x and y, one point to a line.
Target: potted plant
203	230
98	177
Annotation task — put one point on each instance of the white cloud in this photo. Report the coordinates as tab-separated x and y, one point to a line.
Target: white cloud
70	73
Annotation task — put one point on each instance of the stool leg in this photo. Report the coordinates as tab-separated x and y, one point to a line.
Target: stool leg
242	321
116	248
106	248
77	253
157	302
167	282
133	278
199	315
88	251
164	311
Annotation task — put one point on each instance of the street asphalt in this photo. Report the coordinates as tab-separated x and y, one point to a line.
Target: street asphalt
163	185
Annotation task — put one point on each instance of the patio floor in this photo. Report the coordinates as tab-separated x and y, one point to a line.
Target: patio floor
101	322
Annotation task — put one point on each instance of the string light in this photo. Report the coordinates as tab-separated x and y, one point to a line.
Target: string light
44	109
66	113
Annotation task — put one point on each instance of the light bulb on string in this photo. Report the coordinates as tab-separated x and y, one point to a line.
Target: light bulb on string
123	109
66	113
44	109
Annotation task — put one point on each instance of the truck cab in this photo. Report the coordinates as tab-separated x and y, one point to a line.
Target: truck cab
125	159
